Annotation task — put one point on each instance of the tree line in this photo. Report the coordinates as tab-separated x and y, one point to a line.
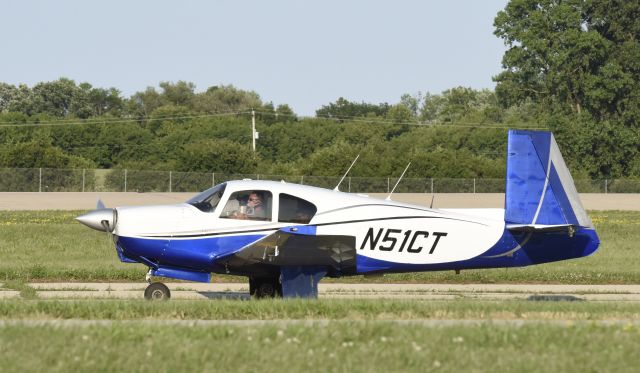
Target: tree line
571	67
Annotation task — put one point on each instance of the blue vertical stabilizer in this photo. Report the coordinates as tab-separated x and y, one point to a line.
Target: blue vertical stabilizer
540	190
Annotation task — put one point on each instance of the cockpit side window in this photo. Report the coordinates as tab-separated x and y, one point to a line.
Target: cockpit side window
295	210
248	205
209	199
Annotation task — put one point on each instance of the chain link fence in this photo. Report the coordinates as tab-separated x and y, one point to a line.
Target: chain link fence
121	180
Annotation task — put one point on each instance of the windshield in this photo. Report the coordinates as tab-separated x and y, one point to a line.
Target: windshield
208	200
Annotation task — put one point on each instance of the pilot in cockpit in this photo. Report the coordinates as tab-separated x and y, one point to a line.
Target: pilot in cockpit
247	205
255	206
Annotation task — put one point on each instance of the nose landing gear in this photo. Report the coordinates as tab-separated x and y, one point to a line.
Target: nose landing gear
157	291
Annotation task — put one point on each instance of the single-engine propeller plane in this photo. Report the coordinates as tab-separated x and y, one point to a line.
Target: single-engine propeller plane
286	237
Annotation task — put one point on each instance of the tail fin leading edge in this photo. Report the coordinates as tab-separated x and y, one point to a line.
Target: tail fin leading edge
540	189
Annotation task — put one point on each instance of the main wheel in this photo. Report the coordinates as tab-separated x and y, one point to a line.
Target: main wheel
157	291
265	287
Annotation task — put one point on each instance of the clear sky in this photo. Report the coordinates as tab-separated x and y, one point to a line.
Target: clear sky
303	53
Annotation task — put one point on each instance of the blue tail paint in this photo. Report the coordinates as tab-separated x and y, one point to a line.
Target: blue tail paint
540	190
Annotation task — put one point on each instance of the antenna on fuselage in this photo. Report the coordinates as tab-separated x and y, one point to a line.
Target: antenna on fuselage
345	174
398	182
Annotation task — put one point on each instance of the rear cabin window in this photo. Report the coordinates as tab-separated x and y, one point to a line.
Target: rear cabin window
248	205
295	210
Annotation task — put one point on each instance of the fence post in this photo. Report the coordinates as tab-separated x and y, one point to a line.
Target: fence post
606	186
301	179
257	176
387	185
40	180
431	185
474	185
213	179
349	184
83	170
125	180
170	181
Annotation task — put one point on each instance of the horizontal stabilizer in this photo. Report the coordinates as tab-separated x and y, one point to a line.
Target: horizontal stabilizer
540	227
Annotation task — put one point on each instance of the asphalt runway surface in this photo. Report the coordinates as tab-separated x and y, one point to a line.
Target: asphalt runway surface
240	291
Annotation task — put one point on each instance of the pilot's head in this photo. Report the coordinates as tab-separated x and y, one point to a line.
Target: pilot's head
255	199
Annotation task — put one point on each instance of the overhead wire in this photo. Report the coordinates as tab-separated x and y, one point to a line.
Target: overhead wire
65	122
411	123
95	121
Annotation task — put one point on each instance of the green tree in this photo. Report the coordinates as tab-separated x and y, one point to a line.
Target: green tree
179	94
224	99
432	106
458	102
577	54
105	101
345	109
8	94
285	113
36	154
57	98
142	104
217	156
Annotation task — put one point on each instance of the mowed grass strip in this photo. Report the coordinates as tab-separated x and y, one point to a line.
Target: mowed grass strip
326	309
52	246
335	346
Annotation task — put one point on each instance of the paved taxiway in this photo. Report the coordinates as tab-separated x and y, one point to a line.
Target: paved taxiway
193	291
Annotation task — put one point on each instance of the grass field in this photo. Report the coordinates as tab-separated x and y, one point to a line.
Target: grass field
334	346
325	309
51	246
330	335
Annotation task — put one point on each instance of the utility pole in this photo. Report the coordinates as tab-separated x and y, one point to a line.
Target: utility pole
253	129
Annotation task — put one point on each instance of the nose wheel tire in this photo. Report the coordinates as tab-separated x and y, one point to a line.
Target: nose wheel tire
157	291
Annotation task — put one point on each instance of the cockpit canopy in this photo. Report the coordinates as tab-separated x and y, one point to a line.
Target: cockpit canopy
255	204
208	200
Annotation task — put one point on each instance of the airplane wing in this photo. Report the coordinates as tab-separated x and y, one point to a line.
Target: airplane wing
296	246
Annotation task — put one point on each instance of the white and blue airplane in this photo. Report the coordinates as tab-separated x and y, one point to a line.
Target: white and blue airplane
286	237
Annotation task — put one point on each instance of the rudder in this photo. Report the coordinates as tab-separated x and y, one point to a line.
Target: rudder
540	189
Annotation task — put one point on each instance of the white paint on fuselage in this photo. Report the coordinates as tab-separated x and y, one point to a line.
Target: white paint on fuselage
384	230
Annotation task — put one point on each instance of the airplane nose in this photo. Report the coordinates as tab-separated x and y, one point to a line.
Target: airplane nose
102	219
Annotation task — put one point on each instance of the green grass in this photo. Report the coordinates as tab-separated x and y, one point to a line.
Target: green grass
334	309
51	246
335	346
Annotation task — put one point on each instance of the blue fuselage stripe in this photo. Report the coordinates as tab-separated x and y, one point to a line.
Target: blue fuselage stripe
190	253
